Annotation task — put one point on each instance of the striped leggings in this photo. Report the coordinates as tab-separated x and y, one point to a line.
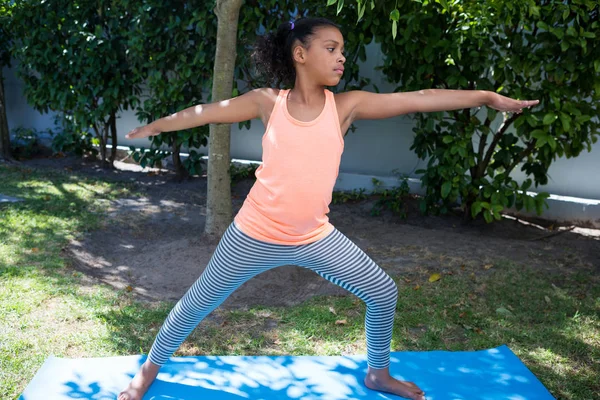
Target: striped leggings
239	257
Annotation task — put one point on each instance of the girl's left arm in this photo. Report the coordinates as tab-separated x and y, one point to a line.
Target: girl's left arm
367	105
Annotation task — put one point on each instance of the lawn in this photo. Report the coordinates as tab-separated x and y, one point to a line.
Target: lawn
49	308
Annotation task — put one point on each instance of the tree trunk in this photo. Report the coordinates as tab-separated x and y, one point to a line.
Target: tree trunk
218	202
177	164
468	203
5	154
104	144
113	132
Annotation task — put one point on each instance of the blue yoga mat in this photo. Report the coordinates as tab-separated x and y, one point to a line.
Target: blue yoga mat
493	374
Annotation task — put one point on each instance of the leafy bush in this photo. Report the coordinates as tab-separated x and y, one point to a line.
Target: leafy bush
71	139
25	142
523	49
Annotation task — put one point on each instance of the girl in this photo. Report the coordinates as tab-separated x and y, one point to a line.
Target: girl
283	219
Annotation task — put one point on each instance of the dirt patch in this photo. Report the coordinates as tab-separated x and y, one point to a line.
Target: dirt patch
154	245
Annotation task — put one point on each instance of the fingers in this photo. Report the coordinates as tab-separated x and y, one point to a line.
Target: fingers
142	132
135	134
529	103
131	134
521	104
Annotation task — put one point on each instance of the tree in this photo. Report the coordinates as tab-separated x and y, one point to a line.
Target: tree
218	211
73	60
170	45
523	49
5	15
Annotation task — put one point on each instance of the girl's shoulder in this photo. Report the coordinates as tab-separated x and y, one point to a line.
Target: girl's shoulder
345	103
265	99
346	96
266	96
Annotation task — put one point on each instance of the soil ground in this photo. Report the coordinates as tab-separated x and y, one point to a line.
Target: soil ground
154	245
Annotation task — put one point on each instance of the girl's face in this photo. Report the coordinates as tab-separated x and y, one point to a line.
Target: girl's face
324	59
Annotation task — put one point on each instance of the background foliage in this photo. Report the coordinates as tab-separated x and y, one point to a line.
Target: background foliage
89	60
544	50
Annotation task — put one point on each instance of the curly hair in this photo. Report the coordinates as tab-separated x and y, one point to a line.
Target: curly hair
272	53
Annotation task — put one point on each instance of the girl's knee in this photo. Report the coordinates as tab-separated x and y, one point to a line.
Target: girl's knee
389	287
387	294
392	291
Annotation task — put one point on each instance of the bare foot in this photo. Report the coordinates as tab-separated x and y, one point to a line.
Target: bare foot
383	382
140	382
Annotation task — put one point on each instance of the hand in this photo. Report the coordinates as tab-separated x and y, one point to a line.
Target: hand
502	103
142	132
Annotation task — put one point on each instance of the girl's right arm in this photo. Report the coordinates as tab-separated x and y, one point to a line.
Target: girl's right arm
237	109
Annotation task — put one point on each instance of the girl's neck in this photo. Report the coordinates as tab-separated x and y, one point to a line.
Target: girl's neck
307	94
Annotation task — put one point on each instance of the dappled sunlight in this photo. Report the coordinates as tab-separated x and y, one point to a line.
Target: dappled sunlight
548	358
494	373
298	376
79	250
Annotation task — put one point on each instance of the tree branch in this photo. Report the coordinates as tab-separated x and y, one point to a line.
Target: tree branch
526	152
483	139
488	156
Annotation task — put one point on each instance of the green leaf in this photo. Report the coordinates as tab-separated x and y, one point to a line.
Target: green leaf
488	216
331	2
475	209
423	206
395	15
549	118
529	203
538	134
447	139
566	121
340	6
559	33
541	142
361	11
446	187
582	118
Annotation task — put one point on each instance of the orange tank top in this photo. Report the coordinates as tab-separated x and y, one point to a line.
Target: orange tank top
289	202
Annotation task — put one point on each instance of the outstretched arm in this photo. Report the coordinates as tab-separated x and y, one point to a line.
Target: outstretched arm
238	109
367	105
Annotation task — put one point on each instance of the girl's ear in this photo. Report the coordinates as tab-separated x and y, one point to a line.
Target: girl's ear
299	54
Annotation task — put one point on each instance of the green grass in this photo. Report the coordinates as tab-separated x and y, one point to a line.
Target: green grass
47	308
